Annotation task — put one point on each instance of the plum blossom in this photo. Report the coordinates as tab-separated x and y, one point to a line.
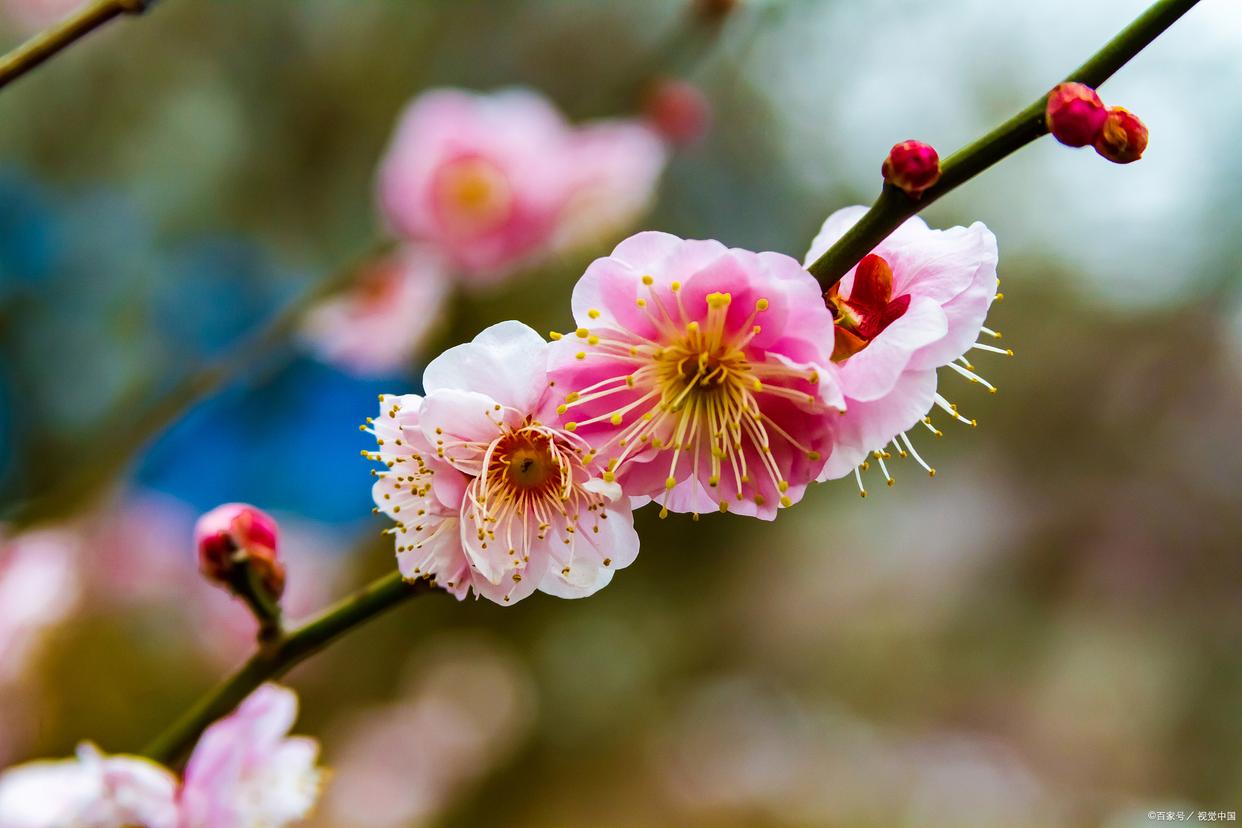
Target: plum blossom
702	375
247	772
486	493
377	325
39	586
915	304
497	182
89	791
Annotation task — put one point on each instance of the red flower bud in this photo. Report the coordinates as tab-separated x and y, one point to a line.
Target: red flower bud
1123	138
678	111
1075	114
236	533
912	166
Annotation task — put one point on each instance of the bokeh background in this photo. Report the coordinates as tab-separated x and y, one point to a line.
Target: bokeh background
1048	633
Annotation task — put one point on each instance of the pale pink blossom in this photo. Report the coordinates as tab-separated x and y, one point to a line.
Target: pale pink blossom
915	304
89	791
614	168
702	375
247	772
377	325
39	587
496	182
485	491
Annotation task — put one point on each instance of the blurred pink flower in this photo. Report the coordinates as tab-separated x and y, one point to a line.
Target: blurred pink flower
703	374
33	15
402	764
614	166
246	771
377	325
484	493
89	791
39	587
496	182
915	304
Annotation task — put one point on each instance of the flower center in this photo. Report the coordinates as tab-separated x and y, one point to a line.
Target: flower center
694	393
474	195
529	465
868	310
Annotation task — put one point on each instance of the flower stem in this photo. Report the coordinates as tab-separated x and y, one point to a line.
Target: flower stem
60	35
894	206
277	656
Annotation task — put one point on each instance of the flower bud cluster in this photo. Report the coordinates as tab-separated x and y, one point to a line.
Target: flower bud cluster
1076	116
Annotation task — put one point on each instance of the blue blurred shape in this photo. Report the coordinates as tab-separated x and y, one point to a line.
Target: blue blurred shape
289	442
30	232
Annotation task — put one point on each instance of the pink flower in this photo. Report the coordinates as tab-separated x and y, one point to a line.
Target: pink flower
247	772
702	375
915	304
377	325
485	492
614	167
481	177
39	587
89	791
235	532
497	182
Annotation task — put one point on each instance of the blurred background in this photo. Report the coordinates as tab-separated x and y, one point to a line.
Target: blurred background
1048	633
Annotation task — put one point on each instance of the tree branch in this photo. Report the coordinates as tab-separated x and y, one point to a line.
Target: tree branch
894	206
277	656
61	35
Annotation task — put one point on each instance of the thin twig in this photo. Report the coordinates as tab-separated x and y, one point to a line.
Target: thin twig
894	206
60	35
279	655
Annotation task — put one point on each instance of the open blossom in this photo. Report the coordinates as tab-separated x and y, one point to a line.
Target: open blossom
247	772
89	791
39	586
702	375
495	182
376	325
915	304
486	492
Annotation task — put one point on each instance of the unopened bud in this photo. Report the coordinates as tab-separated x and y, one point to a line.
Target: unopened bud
1123	138
678	111
714	10
236	535
912	166
1074	114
